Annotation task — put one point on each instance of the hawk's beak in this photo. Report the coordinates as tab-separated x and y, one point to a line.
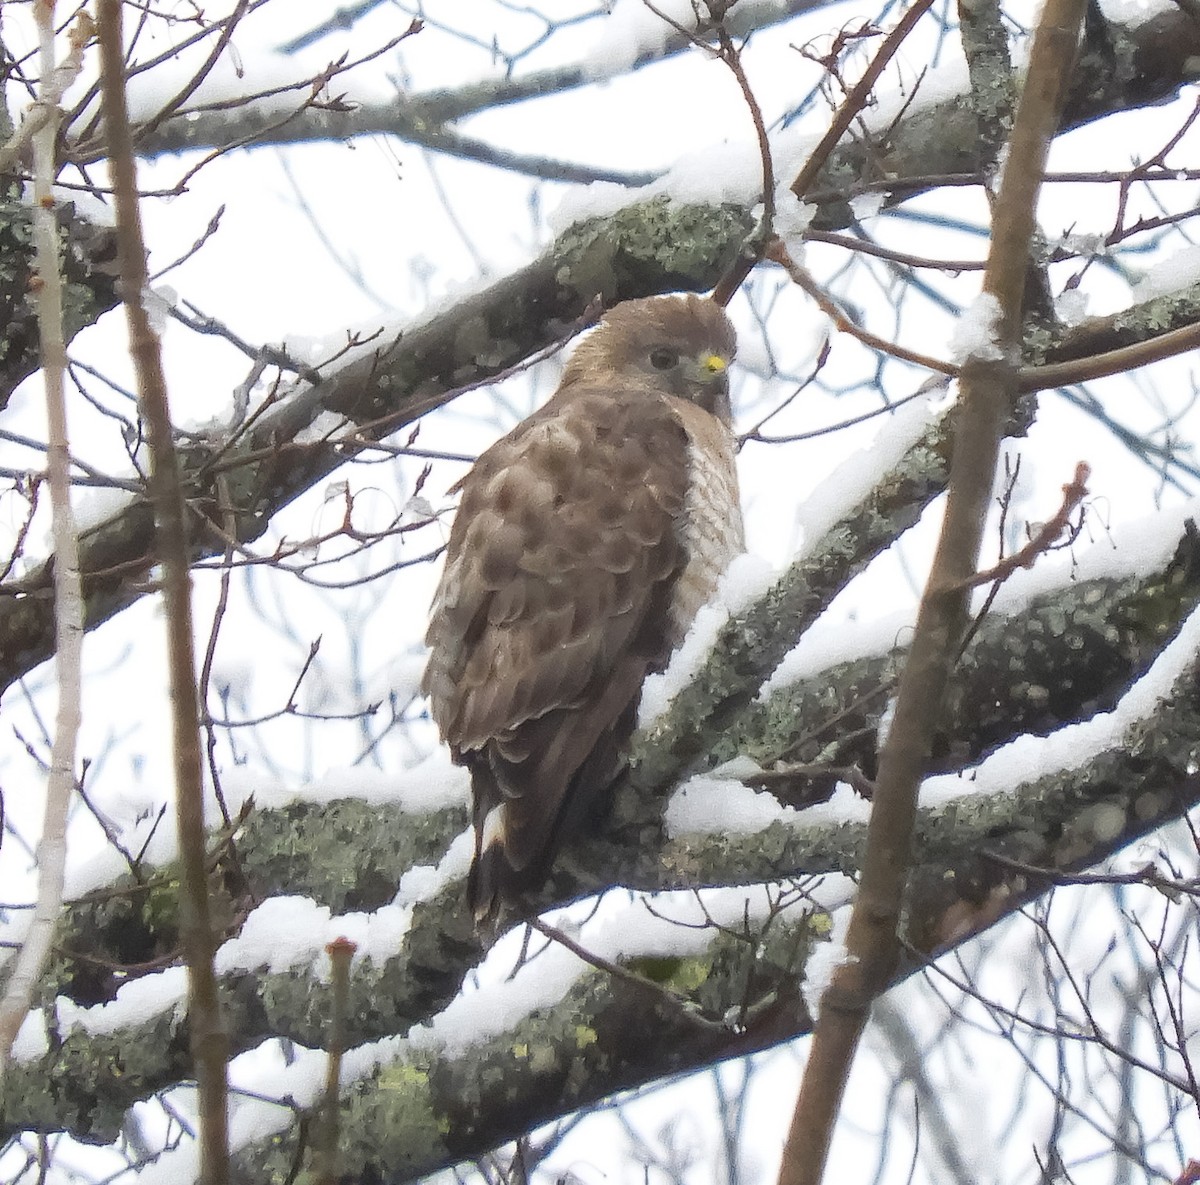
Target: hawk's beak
712	373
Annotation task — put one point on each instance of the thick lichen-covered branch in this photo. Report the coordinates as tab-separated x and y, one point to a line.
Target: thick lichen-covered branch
426	1111
1079	647
731	997
1076	650
644	250
89	283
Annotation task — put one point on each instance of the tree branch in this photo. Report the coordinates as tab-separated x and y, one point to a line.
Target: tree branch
209	1037
1083	645
68	624
988	396
653	248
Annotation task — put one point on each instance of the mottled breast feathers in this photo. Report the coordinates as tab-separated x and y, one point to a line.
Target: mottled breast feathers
584	542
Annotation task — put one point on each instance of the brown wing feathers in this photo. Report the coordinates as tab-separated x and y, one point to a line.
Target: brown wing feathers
555	603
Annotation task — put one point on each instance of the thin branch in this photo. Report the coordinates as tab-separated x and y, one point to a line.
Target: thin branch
1098	366
676	1002
340	951
867	247
68	590
853	104
989	390
1148	874
209	1038
169	108
45	112
857	99
1045	537
777	252
752	251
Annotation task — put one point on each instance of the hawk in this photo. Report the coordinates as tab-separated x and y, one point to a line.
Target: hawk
585	542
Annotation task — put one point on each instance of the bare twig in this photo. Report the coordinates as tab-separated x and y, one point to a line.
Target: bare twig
45	113
857	99
190	87
866	246
777	252
340	951
752	250
209	1038
210	652
854	102
1029	378
214	224
1148	874
657	990
1044	538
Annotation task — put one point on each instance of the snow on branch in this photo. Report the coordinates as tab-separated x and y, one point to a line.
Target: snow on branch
416	948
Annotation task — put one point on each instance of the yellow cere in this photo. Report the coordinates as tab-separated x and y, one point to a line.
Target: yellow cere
714	364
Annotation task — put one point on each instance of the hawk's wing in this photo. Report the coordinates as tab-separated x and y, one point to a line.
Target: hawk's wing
552	608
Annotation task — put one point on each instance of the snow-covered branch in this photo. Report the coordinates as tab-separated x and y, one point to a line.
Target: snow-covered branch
1082	646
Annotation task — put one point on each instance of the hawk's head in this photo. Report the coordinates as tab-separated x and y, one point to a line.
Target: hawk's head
676	345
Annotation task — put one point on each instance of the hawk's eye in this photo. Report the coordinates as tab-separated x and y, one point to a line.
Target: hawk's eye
662	359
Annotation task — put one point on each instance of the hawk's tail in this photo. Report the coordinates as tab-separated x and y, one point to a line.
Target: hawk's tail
522	815
490	883
504	867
